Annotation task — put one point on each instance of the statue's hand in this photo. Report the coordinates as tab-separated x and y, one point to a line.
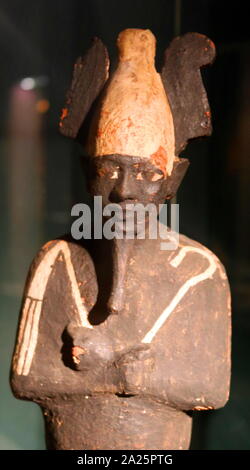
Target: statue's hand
138	353
136	367
90	348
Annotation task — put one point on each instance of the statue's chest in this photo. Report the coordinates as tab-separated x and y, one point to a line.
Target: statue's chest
160	301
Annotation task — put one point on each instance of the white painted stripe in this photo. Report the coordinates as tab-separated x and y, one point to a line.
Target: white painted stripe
82	311
32	313
208	273
26	337
18	357
33	338
28	334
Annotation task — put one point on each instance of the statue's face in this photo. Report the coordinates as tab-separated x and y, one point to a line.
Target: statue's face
124	179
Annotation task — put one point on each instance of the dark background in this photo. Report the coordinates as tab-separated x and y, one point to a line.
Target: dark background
40	171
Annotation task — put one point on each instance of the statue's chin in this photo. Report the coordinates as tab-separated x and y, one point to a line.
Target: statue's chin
125	228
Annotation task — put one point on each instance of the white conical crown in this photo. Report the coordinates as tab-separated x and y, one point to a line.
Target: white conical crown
134	117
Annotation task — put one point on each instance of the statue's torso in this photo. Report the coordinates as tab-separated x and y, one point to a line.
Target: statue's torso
130	384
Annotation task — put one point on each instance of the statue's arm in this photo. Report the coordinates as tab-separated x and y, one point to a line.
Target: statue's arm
200	379
30	312
60	289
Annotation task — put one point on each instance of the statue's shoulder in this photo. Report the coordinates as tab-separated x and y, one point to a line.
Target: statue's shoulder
202	272
66	246
200	252
72	254
193	263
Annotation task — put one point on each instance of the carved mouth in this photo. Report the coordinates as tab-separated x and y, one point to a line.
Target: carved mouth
129	210
125	395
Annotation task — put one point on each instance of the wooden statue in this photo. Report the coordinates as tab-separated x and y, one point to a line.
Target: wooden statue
118	339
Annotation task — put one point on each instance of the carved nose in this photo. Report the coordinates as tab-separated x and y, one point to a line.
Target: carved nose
124	189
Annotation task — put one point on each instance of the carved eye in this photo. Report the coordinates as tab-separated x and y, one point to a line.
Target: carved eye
157	176
107	171
114	175
152	176
139	176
